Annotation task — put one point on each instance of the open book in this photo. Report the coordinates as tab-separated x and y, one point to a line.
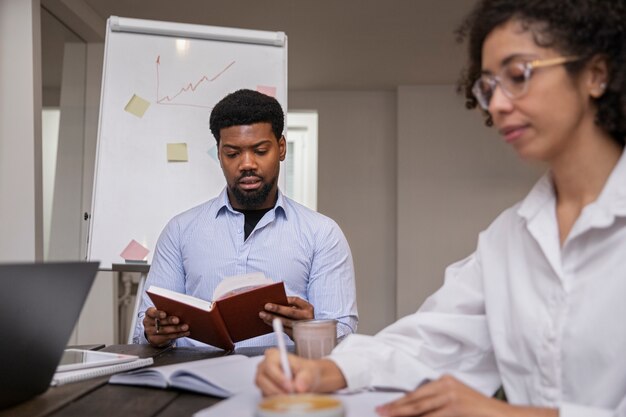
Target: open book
222	377
232	317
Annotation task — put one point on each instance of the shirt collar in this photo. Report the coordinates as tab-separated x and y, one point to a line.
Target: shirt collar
611	201
541	193
224	204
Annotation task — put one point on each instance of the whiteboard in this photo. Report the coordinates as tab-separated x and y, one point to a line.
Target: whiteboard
180	71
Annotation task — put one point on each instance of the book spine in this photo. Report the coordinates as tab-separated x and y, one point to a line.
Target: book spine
76	376
220	329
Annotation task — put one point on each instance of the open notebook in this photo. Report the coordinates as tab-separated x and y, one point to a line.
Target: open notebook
222	377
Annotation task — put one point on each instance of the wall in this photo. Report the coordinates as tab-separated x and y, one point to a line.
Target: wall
356	187
21	197
454	176
411	178
101	302
66	205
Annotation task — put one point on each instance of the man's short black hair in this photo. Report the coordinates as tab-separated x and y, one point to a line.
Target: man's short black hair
246	107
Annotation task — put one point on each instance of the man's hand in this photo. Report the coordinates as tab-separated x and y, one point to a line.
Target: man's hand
298	309
449	397
162	329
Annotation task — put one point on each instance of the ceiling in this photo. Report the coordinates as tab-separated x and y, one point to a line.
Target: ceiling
333	44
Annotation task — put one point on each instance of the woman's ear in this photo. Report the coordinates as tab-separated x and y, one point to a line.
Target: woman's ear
597	75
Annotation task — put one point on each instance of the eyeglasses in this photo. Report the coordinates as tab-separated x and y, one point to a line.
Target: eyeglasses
513	78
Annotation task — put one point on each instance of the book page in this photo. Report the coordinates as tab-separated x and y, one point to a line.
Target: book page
183	298
222	377
240	283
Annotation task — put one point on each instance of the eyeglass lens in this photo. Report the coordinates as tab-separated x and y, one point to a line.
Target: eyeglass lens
512	78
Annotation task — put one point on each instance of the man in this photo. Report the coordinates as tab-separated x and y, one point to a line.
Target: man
252	227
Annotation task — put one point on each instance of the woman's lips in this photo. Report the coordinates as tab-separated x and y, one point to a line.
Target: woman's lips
512	133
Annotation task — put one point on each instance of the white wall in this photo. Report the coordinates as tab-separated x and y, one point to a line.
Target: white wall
98	320
68	179
356	187
411	178
454	176
21	215
50	140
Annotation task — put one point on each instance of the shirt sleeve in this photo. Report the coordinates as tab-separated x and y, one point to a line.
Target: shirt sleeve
575	410
448	334
331	288
166	271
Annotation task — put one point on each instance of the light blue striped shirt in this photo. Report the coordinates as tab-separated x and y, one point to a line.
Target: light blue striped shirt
303	248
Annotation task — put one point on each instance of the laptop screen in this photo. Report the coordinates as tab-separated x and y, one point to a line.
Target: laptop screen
43	302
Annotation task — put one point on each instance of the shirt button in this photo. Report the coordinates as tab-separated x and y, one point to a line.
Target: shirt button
239	231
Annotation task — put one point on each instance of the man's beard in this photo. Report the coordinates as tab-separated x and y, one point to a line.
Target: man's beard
251	200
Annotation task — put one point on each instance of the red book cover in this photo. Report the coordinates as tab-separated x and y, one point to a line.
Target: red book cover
225	321
240	312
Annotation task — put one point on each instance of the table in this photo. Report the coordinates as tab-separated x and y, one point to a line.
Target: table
94	397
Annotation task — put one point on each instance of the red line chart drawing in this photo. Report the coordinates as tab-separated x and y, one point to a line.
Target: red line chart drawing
170	100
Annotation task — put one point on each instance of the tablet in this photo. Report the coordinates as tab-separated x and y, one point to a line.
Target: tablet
74	359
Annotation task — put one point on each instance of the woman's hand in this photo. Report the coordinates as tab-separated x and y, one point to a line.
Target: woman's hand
309	375
449	397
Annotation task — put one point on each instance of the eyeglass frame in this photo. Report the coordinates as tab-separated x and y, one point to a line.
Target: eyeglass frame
529	66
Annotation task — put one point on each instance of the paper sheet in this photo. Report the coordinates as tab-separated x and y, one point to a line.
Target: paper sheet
135	251
267	90
137	106
362	404
177	152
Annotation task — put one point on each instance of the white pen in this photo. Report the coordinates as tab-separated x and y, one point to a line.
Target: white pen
284	363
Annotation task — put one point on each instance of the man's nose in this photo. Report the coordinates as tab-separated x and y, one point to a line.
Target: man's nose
248	161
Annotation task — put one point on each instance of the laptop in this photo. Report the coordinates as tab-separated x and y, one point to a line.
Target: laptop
39	305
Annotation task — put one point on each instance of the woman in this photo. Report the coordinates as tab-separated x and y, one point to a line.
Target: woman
539	307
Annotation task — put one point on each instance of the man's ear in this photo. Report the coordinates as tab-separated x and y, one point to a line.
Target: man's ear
597	75
282	148
218	153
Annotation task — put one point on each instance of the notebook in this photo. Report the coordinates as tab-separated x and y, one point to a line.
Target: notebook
43	301
221	377
61	378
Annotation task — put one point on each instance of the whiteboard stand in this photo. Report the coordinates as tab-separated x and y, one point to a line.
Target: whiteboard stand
129	275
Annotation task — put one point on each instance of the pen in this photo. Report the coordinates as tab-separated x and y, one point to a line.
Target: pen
284	363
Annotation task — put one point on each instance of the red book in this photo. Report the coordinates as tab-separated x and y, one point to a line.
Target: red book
232	317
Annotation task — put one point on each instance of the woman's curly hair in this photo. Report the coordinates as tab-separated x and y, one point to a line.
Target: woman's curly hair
583	28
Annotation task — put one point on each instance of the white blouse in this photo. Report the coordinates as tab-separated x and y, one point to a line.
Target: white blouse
547	322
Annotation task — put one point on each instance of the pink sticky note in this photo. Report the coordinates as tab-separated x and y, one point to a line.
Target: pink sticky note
267	90
135	251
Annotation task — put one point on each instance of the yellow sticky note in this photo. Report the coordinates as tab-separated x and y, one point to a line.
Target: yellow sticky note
177	152
137	106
